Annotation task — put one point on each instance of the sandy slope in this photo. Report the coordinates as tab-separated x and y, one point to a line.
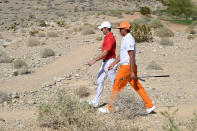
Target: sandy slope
70	61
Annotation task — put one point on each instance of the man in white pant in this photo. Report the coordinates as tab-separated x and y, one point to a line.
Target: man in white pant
108	56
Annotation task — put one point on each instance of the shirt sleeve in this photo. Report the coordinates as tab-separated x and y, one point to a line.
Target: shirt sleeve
108	43
130	43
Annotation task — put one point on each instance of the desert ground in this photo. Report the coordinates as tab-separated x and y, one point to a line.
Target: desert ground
71	32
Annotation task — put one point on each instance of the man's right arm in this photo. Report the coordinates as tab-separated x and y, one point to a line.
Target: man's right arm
114	63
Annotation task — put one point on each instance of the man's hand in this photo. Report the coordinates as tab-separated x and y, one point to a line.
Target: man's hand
133	76
90	63
111	66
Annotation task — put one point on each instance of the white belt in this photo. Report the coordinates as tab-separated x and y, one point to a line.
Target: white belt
124	64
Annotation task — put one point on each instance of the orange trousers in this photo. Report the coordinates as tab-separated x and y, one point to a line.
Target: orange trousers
122	78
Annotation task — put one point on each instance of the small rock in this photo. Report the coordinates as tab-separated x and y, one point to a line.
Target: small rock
57	79
14	95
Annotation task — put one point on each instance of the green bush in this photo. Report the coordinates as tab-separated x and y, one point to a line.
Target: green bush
141	33
180	7
145	10
164	32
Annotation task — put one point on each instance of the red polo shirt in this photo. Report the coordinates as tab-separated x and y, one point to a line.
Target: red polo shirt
109	44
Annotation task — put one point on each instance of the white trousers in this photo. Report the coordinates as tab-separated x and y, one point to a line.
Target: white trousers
102	75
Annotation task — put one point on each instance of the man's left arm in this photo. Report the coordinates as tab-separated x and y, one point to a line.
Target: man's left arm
132	64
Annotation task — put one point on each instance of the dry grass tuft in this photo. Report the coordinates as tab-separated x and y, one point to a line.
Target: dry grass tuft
52	34
191	37
87	30
82	92
47	53
166	42
3	97
153	66
164	32
66	112
4	58
129	106
155	23
17	64
33	42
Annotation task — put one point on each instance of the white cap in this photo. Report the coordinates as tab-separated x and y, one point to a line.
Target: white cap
105	24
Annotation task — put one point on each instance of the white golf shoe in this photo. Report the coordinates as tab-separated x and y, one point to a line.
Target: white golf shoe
104	110
149	110
93	103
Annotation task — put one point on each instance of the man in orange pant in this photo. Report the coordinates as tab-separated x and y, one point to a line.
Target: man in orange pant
128	70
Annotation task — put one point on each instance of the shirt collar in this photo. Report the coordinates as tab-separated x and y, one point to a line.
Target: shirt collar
126	36
109	34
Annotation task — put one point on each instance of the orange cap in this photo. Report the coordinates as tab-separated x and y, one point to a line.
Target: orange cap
125	25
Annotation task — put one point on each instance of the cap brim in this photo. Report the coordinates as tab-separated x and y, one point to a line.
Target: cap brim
118	27
100	27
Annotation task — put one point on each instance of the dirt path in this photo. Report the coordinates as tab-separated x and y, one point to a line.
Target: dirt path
63	65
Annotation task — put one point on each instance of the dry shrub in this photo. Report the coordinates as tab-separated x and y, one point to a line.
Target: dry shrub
82	92
129	105
52	34
87	30
47	53
3	97
142	20
21	71
41	35
153	66
155	23
145	10
191	37
141	33
166	42
173	124
68	113
17	64
21	68
164	32
113	13
61	23
43	23
4	58
33	42
33	33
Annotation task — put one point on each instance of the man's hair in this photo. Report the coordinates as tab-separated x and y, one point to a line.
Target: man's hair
108	28
128	31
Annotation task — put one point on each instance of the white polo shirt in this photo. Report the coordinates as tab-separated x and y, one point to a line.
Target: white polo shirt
128	43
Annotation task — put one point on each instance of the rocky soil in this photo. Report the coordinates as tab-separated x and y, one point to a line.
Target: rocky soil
20	24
